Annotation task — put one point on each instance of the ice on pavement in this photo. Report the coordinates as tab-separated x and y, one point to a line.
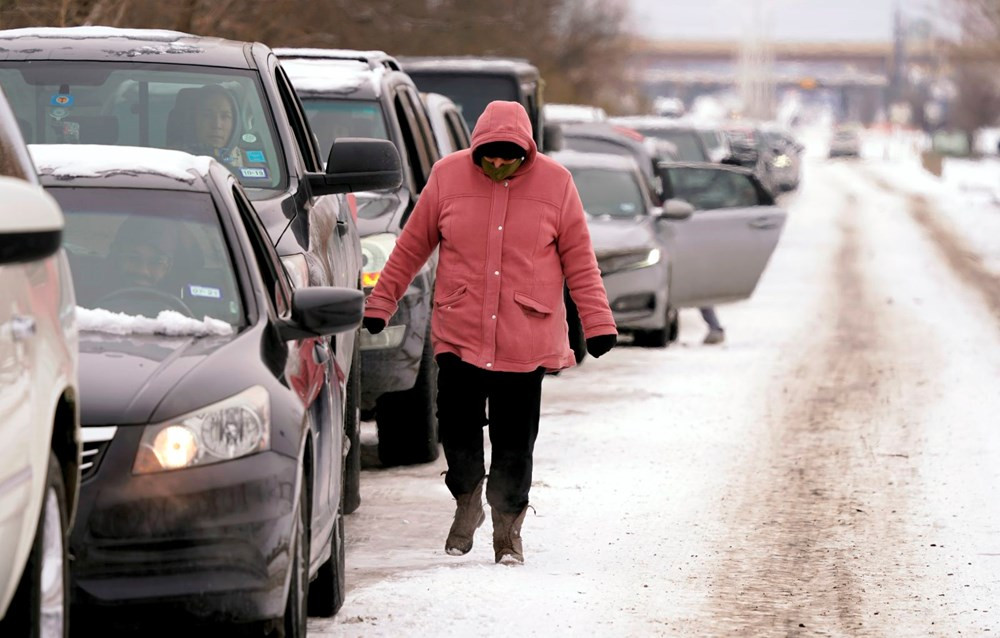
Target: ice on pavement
167	322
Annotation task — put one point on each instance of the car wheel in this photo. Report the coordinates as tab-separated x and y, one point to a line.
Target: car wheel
675	324
352	428
40	604
293	623
326	591
407	420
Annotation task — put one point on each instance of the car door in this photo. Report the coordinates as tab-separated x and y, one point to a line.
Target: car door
719	253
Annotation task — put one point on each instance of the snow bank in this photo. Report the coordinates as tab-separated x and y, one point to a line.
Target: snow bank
69	161
168	322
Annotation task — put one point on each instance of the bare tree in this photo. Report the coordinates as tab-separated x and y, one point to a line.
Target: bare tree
976	63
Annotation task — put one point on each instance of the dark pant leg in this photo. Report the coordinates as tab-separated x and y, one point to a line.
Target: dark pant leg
515	404
461	412
712	319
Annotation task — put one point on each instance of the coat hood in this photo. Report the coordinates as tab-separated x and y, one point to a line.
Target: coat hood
506	122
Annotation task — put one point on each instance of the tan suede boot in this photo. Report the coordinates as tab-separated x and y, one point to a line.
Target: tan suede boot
469	515
507	535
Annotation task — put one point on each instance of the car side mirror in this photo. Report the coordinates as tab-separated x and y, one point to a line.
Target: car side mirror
676	209
31	224
358	164
319	311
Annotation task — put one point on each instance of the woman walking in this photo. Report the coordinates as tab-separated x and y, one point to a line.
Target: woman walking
510	230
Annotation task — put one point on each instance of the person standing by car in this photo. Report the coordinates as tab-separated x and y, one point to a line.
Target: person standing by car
510	229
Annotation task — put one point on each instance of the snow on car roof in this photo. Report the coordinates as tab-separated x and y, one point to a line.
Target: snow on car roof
574	113
582	159
71	161
94	32
465	63
324	76
651	121
351	54
168	322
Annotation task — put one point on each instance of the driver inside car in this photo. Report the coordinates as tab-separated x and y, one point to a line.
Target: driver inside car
142	255
212	126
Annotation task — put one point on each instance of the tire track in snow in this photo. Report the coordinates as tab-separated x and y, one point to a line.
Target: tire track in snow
808	522
963	261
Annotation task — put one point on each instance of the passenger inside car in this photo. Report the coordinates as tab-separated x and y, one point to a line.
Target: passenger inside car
204	122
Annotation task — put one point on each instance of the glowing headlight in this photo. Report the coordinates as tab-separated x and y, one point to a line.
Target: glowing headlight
374	254
631	260
235	427
782	161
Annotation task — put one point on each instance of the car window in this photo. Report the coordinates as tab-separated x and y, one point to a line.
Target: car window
268	262
416	156
609	192
331	119
689	148
145	251
200	110
711	189
470	92
457	131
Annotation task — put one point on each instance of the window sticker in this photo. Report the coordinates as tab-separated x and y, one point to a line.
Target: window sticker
206	292
61	99
254	173
249	138
256	156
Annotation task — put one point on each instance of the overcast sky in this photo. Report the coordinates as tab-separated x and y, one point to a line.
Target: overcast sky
789	20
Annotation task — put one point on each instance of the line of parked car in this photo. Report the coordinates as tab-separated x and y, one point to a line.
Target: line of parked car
190	227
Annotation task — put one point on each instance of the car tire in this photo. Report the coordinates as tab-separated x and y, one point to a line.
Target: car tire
40	607
293	623
407	420
326	591
352	428
675	324
662	337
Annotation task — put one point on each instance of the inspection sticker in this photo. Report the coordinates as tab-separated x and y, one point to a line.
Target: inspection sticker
254	173
249	138
256	156
61	100
205	291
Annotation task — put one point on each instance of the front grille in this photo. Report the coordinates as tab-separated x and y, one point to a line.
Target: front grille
95	443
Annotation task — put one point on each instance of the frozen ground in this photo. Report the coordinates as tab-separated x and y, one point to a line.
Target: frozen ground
831	470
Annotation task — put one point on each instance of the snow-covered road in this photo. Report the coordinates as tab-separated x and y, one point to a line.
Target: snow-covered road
831	470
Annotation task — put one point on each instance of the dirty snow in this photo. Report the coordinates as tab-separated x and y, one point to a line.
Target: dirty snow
168	322
830	470
69	161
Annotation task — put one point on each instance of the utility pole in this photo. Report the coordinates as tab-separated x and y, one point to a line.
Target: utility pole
756	61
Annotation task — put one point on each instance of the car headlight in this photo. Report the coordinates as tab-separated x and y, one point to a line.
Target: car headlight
375	250
232	428
630	260
782	161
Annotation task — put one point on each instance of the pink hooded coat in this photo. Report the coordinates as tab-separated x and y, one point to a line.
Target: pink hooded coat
505	250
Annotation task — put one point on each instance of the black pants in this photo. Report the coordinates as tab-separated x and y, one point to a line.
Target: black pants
514	403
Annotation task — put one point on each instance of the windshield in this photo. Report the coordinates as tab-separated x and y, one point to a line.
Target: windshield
331	119
470	92
145	251
689	147
609	192
200	110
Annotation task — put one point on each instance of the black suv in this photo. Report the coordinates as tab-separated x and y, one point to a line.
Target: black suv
366	94
171	90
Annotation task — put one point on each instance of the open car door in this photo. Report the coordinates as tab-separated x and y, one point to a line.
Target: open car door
719	253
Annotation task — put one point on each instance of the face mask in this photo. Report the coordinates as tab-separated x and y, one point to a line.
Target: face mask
501	173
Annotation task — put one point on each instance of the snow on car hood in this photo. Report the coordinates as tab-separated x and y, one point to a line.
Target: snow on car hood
70	161
169	323
608	234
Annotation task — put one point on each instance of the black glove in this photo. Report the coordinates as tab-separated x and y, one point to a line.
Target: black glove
373	324
600	344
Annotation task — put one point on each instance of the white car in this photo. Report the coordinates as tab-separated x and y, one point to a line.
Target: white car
39	414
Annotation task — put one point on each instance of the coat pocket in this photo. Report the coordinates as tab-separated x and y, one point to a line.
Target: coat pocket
531	306
452	297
